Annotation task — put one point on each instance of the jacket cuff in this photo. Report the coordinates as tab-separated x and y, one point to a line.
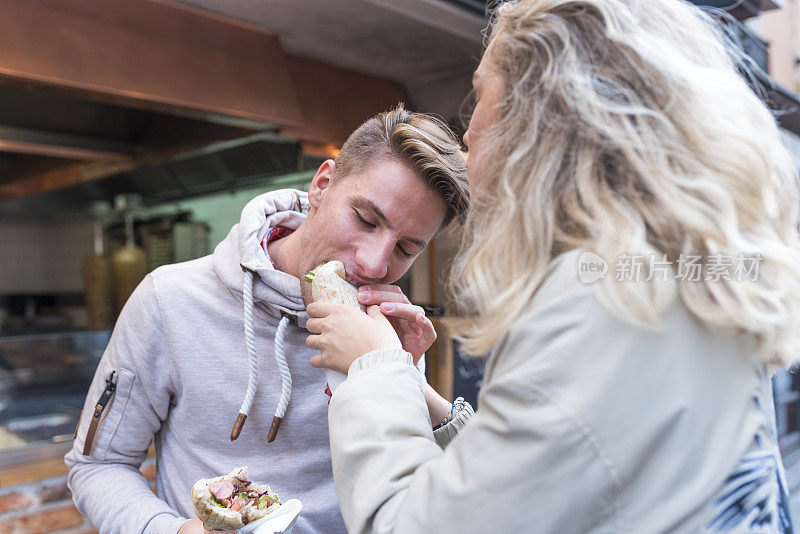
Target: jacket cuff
380	358
164	522
445	434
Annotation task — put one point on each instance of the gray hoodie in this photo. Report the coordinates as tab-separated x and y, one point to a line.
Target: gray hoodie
181	372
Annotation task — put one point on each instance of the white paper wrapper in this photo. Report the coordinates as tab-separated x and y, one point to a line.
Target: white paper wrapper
329	285
332	288
279	522
334	378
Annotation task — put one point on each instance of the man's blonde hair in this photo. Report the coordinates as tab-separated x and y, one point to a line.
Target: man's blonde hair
626	129
423	142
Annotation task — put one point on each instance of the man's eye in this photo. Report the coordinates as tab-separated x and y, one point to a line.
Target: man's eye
365	223
403	252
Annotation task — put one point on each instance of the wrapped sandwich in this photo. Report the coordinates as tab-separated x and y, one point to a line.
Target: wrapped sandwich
232	501
329	284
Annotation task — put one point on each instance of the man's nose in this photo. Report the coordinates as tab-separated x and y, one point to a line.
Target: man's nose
373	259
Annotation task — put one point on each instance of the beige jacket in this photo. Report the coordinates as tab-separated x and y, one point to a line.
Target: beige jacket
585	424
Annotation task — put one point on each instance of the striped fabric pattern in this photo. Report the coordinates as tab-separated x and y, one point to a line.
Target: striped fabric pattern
274	233
754	497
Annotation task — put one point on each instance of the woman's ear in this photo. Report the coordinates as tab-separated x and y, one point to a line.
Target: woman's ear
321	182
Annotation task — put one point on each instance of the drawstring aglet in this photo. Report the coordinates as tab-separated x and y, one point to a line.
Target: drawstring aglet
273	429
237	426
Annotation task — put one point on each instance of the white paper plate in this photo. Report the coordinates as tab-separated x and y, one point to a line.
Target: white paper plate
280	521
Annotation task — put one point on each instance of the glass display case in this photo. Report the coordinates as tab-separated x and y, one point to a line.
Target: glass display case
43	383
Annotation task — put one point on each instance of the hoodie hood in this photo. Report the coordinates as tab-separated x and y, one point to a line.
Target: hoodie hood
273	291
242	264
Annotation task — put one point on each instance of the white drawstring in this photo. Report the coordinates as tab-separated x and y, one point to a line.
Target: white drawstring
286	379
250	339
280	358
286	376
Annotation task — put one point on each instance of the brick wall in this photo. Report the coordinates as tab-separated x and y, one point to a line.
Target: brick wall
45	507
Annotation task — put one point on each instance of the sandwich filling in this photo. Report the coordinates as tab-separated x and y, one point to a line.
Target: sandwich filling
238	494
231	501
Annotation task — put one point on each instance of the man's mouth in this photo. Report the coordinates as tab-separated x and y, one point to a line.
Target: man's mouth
357	281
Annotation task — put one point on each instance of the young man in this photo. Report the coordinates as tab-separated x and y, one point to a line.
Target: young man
179	365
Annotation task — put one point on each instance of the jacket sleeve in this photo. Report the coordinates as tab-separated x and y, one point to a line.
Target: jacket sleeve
509	469
448	432
106	484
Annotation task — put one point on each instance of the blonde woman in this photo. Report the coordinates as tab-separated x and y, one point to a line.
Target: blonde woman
632	263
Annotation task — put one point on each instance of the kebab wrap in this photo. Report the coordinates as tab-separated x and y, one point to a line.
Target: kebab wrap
232	501
329	284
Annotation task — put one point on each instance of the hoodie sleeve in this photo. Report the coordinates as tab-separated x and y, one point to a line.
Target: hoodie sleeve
106	484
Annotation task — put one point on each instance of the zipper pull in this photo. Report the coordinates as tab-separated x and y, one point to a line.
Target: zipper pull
111	388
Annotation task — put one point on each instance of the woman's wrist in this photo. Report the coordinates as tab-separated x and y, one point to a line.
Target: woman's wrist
438	407
455	409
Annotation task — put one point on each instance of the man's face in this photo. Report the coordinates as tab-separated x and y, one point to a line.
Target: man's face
375	222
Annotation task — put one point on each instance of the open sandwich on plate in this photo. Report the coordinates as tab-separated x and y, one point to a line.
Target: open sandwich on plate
231	501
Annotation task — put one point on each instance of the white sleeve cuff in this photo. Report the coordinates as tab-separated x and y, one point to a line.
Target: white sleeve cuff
445	434
379	358
164	522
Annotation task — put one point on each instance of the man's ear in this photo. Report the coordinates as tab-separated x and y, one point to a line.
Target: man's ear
321	182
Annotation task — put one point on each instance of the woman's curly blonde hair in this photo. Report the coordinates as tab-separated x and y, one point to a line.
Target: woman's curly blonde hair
627	128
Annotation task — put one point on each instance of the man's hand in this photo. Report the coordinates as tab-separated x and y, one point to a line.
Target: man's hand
343	333
195	526
415	331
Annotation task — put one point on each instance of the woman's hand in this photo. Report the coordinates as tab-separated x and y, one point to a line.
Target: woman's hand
415	331
343	333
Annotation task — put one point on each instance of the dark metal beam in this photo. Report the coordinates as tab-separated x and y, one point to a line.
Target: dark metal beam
60	145
82	172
